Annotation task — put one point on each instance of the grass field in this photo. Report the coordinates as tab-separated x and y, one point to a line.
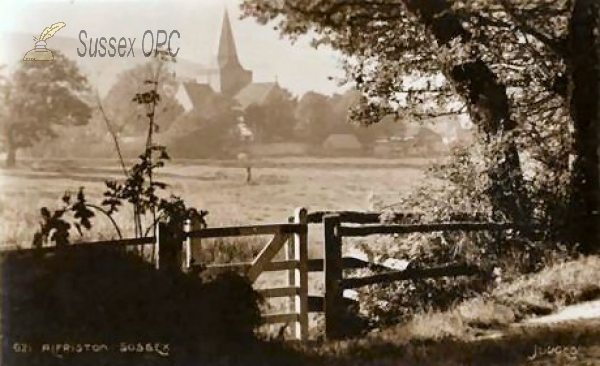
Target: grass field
279	186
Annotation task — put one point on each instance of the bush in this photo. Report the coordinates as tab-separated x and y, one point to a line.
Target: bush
108	297
459	190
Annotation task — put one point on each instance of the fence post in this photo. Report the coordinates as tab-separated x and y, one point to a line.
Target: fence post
157	245
301	274
333	271
169	249
187	227
290	255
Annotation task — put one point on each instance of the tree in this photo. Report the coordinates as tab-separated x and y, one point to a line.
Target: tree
314	118
584	74
320	116
392	39
196	136
44	95
564	44
513	63
273	120
128	118
5	87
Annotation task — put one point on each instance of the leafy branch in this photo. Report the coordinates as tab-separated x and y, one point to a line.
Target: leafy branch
54	226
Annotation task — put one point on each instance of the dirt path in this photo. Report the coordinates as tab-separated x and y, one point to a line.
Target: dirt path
585	310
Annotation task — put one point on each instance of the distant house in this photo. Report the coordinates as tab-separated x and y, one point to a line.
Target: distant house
341	143
431	136
420	141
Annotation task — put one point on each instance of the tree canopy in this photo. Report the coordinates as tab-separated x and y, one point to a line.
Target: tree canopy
129	118
44	95
273	120
512	65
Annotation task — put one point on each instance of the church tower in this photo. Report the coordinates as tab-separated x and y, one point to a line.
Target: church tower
233	77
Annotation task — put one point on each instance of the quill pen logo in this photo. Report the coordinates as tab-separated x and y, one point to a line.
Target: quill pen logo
40	52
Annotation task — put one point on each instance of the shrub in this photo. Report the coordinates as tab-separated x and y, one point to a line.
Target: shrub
459	190
106	296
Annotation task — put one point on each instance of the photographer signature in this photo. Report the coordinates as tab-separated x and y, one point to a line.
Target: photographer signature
554	350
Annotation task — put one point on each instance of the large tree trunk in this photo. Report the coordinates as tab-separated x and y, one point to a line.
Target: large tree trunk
487	103
584	64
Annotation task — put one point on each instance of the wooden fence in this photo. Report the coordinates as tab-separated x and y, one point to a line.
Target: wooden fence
292	238
335	304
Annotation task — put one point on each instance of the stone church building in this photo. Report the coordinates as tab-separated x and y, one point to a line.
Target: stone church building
233	81
210	102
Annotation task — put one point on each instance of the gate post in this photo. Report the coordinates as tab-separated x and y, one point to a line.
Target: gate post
169	249
333	272
187	228
301	274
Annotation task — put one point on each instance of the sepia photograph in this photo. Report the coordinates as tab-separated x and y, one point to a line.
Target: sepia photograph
299	182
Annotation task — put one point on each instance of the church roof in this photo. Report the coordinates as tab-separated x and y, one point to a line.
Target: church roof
255	93
200	94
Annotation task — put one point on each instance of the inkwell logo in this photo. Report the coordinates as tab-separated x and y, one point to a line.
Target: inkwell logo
40	52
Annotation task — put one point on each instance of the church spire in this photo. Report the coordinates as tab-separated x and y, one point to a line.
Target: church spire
233	77
227	51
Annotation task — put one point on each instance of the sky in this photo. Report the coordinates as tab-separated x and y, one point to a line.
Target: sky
298	67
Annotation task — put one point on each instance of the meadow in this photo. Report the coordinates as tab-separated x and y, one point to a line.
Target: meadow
278	187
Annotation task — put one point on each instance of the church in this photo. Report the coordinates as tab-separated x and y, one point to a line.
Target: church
210	103
233	81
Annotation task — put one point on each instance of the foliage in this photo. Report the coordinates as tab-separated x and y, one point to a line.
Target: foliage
219	134
128	119
215	123
320	116
44	95
108	297
507	63
314	117
463	197
138	189
273	120
54	227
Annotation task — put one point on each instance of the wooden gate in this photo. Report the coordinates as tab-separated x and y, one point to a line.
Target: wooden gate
292	237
